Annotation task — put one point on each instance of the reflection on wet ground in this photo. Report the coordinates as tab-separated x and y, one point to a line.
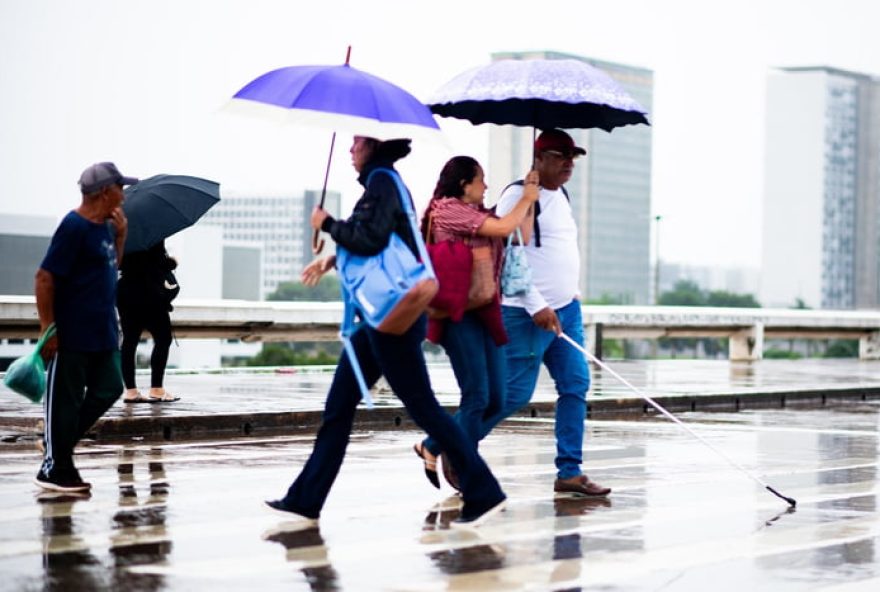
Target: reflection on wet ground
189	516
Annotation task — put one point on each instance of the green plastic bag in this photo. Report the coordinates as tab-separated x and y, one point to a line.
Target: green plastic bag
27	374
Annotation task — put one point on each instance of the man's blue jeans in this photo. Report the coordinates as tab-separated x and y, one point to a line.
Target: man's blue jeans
530	346
480	369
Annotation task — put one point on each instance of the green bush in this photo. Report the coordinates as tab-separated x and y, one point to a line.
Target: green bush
781	354
283	354
612	348
842	348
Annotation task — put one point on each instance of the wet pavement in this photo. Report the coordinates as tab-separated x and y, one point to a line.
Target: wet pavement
188	515
265	402
178	490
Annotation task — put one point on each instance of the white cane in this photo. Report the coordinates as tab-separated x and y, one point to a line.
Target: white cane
660	408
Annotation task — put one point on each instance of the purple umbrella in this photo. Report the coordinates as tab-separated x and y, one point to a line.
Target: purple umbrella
543	94
339	98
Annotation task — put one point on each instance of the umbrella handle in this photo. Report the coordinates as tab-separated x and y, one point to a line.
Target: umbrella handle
317	242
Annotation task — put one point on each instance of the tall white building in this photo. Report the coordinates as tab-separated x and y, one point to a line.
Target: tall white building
821	190
280	224
610	190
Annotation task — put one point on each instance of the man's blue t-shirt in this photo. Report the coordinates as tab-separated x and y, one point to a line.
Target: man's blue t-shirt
82	261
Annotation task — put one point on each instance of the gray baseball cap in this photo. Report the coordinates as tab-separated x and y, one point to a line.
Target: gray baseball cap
100	175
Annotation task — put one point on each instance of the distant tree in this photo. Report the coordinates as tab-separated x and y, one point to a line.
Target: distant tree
799	304
842	348
724	298
688	293
685	293
607	298
327	290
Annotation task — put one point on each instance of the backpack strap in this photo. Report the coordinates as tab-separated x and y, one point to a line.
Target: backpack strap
537	228
407	204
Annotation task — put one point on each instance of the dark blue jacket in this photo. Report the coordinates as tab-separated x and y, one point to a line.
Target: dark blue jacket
376	215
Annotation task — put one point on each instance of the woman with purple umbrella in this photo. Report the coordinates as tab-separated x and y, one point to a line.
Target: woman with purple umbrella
399	358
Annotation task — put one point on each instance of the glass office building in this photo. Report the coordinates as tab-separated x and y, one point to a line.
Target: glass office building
280	225
821	243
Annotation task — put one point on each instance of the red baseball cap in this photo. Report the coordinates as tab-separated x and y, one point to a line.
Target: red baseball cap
558	140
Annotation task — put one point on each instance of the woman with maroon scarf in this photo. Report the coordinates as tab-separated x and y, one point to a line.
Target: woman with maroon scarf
473	344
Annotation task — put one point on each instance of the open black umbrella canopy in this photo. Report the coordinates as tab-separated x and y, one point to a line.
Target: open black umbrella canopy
544	94
162	205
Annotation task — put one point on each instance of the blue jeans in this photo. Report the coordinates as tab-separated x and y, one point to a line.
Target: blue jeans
400	359
529	346
480	368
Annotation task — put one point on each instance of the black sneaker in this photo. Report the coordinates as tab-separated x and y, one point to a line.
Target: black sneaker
61	481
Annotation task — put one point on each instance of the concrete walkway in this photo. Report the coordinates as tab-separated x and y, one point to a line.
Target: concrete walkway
250	403
188	516
178	490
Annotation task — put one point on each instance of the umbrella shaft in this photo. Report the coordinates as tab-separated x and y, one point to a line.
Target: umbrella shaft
327	171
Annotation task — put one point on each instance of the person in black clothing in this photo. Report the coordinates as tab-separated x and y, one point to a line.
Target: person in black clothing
144	301
399	358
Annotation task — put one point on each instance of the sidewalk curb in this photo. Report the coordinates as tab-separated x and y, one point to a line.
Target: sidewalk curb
196	426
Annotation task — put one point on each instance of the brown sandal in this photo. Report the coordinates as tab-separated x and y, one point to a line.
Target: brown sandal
430	465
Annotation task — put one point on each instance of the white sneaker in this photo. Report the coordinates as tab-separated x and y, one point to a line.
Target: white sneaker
466	522
294	521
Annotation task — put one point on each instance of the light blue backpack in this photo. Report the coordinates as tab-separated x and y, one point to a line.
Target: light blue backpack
389	290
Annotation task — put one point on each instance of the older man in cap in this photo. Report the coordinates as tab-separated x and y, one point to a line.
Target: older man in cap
551	306
76	290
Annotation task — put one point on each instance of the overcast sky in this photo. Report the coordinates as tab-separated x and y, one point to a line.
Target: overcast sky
143	83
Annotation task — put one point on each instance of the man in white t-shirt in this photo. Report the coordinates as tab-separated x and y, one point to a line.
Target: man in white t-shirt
551	306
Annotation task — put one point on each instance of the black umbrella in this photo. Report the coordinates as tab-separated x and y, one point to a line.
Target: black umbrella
162	205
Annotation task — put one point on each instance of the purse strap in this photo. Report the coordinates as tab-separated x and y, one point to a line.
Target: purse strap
428	236
519	237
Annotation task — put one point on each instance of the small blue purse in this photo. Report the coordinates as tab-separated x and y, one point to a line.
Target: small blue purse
516	275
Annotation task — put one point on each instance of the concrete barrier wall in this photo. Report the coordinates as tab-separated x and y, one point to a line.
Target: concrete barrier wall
746	328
